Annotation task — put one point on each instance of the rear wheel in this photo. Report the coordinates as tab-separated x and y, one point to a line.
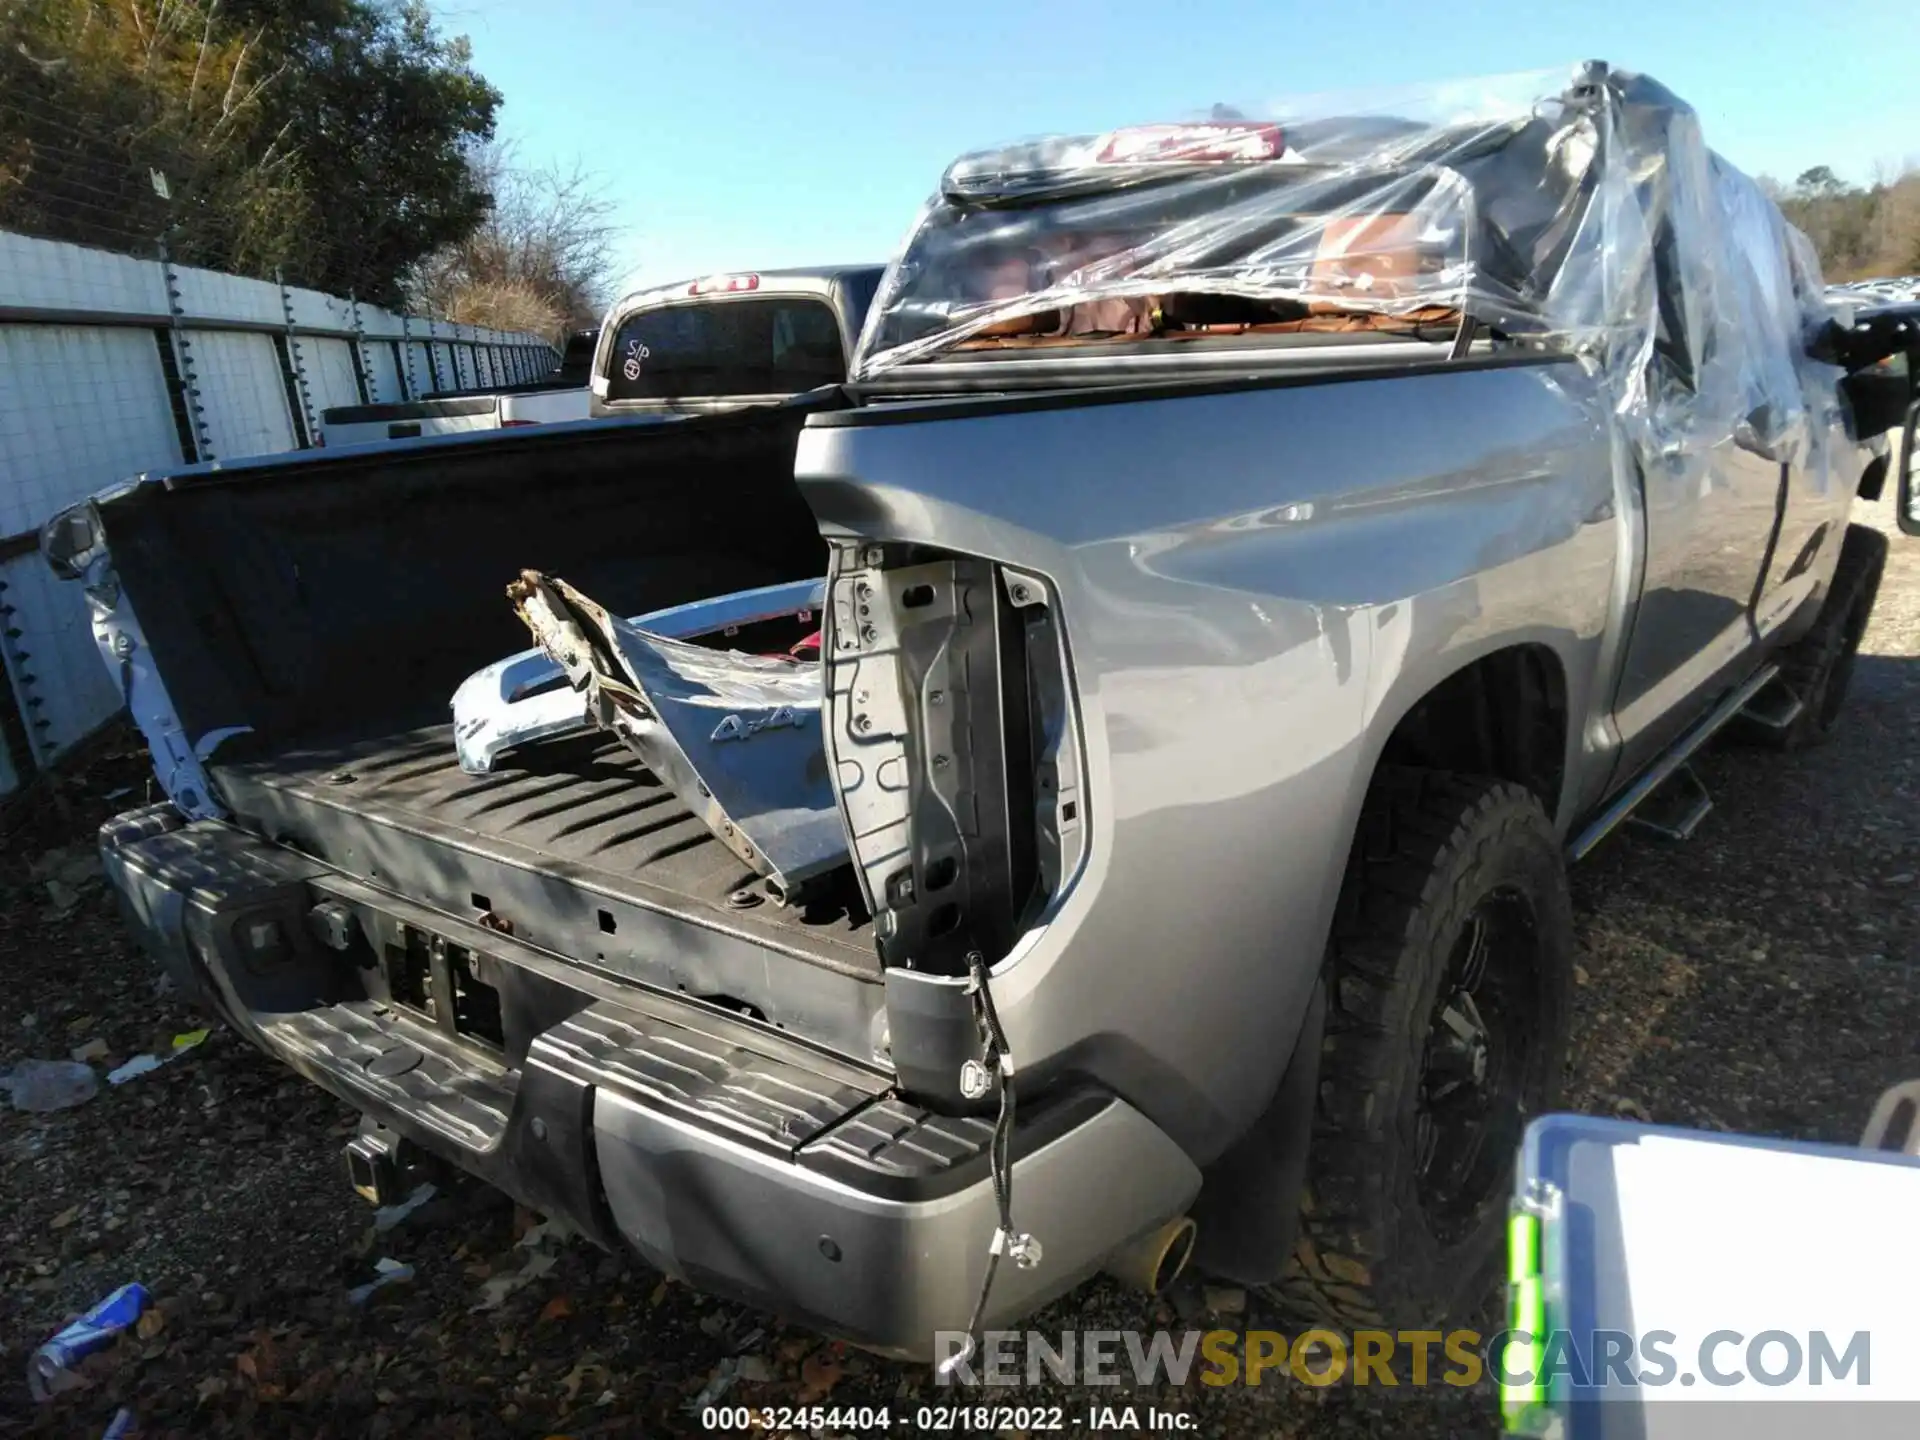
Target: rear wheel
1818	667
1446	1031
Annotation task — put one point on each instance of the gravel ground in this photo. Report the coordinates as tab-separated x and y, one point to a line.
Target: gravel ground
1755	979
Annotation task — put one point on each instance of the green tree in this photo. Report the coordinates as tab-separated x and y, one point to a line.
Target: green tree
1820	180
95	100
380	111
322	138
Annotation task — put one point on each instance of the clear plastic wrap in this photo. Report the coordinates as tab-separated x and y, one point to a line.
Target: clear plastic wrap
1576	210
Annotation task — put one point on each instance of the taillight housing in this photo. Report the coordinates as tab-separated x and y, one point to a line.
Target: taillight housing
1203	142
724	285
949	729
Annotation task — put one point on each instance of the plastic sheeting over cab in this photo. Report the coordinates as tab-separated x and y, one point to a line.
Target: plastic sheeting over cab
1573	210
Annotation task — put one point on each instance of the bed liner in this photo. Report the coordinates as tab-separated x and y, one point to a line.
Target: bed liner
581	809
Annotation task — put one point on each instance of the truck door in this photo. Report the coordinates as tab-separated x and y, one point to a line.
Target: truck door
1711	493
1824	470
1816	498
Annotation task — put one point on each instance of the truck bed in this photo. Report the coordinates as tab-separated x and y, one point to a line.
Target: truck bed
580	809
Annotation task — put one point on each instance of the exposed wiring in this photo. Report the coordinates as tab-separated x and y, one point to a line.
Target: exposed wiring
996	1059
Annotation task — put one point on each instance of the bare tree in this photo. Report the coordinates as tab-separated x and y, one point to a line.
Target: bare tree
1893	235
1859	231
543	259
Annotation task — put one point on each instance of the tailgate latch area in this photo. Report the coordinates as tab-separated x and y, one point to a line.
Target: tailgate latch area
949	723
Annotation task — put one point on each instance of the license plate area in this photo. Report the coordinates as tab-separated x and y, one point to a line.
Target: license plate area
451	985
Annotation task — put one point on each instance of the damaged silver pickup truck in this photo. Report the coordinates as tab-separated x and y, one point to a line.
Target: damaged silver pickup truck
1251	559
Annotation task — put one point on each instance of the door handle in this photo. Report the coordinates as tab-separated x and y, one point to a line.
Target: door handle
1748	431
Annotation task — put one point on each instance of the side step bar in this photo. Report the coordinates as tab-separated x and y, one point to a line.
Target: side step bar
1666	767
1775	707
1675	810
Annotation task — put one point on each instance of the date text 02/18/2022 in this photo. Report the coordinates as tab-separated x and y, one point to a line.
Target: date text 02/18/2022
943	1419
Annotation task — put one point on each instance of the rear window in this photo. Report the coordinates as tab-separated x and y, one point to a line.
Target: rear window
576	362
762	346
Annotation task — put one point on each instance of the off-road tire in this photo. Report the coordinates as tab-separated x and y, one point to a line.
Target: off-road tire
1818	667
1432	849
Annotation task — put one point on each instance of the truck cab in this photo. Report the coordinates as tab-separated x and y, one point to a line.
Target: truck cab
754	337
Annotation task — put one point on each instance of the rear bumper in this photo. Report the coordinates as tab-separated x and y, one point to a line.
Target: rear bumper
723	1152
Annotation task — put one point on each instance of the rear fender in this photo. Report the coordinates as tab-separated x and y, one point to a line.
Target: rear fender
1244	622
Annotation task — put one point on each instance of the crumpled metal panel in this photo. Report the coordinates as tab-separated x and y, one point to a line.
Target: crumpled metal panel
1578	211
525	697
736	736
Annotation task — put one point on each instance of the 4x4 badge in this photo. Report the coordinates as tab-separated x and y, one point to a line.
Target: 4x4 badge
734	728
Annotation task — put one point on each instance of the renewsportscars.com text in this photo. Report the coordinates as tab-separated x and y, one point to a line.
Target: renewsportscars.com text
1604	1359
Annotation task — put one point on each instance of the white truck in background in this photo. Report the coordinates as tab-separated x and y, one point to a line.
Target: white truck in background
691	347
561	396
747	338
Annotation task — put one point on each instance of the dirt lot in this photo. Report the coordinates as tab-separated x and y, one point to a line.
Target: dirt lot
1758	979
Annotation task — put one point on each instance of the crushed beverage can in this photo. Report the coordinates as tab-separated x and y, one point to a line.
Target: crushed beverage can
93	1331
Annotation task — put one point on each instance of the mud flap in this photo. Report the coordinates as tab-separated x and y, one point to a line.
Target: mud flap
1249	1206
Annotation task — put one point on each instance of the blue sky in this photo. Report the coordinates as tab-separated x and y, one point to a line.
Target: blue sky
744	135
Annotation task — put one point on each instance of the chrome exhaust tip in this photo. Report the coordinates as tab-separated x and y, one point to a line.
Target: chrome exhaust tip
1155	1260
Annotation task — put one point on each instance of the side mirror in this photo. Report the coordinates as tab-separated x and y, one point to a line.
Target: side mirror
1906	506
69	540
1877	398
1755	433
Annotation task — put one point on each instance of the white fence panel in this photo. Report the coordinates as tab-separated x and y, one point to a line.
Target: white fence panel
88	398
54	663
330	375
79	409
72	277
244	394
383	372
206	294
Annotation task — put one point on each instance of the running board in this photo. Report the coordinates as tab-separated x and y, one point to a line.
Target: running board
1674	811
1775	707
1670	764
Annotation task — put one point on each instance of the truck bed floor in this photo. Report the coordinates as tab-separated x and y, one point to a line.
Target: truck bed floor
580	808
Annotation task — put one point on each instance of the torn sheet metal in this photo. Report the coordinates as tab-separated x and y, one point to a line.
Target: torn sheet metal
526	697
736	736
1570	210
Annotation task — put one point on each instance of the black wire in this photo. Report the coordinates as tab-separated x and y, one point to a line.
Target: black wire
52	190
60	174
1000	1147
1003	1127
105	166
83	230
104	159
51	198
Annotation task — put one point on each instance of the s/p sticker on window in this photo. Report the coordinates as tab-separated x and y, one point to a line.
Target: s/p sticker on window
636	353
